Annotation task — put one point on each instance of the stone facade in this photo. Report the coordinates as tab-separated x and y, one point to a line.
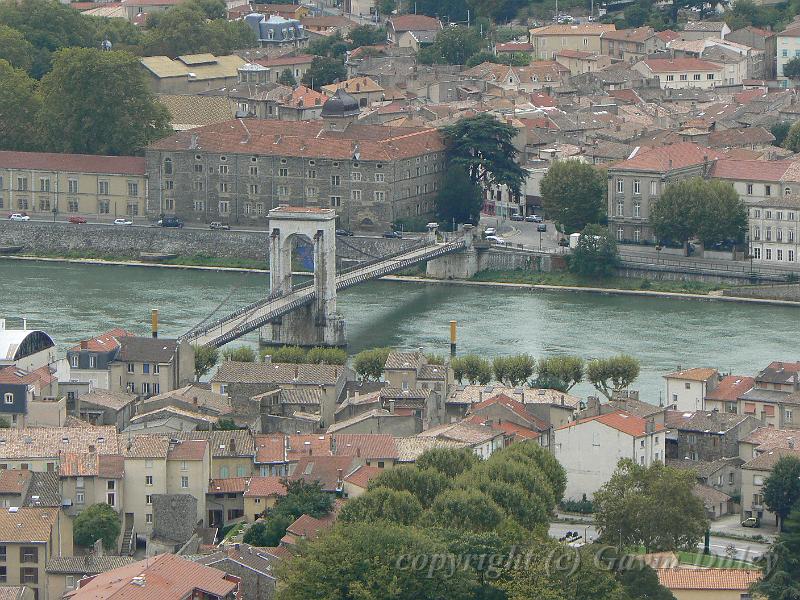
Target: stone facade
174	516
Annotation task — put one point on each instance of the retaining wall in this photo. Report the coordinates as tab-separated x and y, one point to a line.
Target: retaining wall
786	291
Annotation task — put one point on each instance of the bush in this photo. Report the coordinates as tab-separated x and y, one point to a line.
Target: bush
286	354
326	356
98	522
582	506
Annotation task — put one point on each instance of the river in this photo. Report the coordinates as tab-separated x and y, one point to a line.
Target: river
71	301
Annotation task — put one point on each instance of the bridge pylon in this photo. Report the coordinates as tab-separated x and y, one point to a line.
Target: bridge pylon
317	324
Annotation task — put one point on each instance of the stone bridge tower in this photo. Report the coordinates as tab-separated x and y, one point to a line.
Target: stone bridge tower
317	324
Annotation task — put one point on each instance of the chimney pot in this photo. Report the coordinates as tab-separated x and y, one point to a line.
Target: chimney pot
84	344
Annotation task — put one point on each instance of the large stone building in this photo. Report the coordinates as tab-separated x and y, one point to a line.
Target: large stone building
238	170
550	39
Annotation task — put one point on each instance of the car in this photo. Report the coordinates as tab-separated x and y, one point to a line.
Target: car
496	239
751	522
76	220
393	235
123	222
218	225
489	231
541	227
18	217
517	217
344	232
534	219
170	222
432	225
563	242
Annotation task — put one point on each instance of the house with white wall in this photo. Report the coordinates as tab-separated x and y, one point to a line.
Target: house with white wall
589	449
687	388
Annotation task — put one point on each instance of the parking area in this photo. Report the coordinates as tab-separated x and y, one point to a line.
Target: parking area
732	524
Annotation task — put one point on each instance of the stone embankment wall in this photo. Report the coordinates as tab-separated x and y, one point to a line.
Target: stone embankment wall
785	291
100	241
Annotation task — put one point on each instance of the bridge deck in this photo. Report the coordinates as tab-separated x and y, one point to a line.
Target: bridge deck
274	306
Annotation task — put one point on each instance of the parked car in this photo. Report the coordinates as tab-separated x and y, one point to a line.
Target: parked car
18	217
517	217
393	235
218	225
77	220
564	242
751	522
344	232
496	239
123	222
541	227
534	219
489	231
170	222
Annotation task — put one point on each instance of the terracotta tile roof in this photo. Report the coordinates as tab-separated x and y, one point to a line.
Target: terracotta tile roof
108	398
14	481
188	450
639	34
238	442
575	54
410	448
283	61
704	26
27	524
270	448
229	485
190	110
755	170
470	394
147	446
193	395
664	158
324	469
708	579
414	23
515	406
509	428
13	592
50	442
91	464
620	420
703	421
403	360
355	85
261	487
765	461
166	576
636	407
304	97
696	374
105	341
72	163
286	373
710	496
464	431
252	558
667	35
542	100
731	387
582	29
14	375
307	445
309	527
361	476
671	65
746	136
371	446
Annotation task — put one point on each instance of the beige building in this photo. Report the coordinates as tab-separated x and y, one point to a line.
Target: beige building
39	183
192	73
547	41
29	539
582	62
363	89
91	478
261	494
678	73
630	45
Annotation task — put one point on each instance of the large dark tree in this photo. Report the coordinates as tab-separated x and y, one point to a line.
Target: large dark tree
781	566
366	35
452	46
323	71
15	48
573	194
98	522
782	487
19	105
484	146
613	374
596	253
446	10
96	102
459	199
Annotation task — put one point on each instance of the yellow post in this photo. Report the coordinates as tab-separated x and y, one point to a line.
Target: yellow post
154	321
452	338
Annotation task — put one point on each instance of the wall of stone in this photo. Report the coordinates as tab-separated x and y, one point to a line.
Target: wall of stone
785	291
128	242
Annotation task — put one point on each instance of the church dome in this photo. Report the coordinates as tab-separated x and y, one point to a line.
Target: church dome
341	104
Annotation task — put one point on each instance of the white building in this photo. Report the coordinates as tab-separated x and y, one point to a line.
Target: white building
26	349
677	73
590	449
687	389
788	45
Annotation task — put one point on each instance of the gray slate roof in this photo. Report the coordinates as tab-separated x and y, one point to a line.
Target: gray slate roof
146	349
303	374
87	565
47	487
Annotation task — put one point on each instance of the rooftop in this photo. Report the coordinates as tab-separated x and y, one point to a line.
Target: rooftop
703	421
620	420
708	579
664	159
278	373
464	431
73	163
146	349
261	487
697	374
414	23
27	524
91	564
565	29
730	388
50	442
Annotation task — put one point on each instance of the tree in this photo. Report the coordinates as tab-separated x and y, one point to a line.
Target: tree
15	48
287	354
792	141
205	357
641	583
332	46
382	503
224	37
473	368
287	78
19	104
369	363
448	461
611	375
326	356
226	424
240	354
212	9
366	35
452	46
96	102
566	369
782	487
98	522
4	423
483	146
371	560
456	10
780	130
573	194
303	498
459	199
513	370
424	484
638	14
653	506
781	566
468	509
672	215
324	70
267	533
596	254
791	68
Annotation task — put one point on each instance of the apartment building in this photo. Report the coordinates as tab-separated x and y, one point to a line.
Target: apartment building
29	538
678	73
787	47
706	436
91	478
775	397
635	184
550	39
755	472
44	183
630	45
688	388
236	171
41	449
191	73
27	396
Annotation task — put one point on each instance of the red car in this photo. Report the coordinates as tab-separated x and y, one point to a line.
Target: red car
77	220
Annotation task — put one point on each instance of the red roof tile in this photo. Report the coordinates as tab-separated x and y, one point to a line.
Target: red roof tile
639	34
105	341
270	448
362	475
511	404
261	487
72	163
669	65
365	445
280	61
708	579
619	420
228	485
188	450
414	23
756	170
665	158
325	469
507	427
14	481
12	374
668	35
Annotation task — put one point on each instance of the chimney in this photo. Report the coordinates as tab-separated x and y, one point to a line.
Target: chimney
332	440
84	344
358	452
194	400
232	445
339	477
154	321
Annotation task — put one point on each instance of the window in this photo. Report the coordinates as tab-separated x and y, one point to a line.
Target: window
198	168
653	188
670	77
148	499
758	480
146	368
779	254
8	398
75	359
620	208
355	195
768	254
336	201
70	582
103	207
29	575
223	169
156	388
756	233
167	166
3	553
22	183
336	180
148	464
156	368
283	172
355	176
620	234
688	385
44	204
79	498
637	187
620	186
253	170
44	184
380	177
779	215
779	234
199	205
223	472
788	416
28	554
92	362
767	190
148	518
240	471
784	53
223	187
637	209
380	196
148	480
750	190
254	188
768	214
757	253
637	235
197	186
791	256
311	173
184	481
696	77
710	77
72	186
224	207
111	498
768	233
184	465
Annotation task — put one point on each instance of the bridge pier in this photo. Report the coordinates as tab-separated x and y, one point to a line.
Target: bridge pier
302	328
460	265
